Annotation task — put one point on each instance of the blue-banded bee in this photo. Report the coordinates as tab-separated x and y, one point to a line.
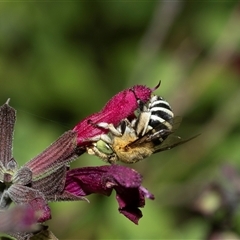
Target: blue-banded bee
151	131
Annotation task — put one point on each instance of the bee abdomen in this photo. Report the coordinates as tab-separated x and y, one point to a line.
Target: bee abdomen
161	113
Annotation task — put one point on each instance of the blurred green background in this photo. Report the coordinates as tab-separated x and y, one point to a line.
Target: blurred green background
61	61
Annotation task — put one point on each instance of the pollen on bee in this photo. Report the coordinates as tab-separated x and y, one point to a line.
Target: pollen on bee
122	142
90	151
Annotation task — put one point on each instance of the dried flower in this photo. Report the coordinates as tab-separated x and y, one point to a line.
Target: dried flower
47	177
34	183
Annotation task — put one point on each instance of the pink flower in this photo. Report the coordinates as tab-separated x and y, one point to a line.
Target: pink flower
125	181
121	106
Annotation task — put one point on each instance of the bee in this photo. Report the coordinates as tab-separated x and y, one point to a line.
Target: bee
151	131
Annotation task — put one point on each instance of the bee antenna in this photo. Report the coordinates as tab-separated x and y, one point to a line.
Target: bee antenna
158	85
8	100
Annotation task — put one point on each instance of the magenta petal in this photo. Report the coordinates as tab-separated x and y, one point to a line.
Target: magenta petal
125	103
125	181
132	214
84	181
146	193
123	176
121	106
130	200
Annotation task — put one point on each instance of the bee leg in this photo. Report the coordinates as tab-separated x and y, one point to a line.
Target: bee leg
93	150
104	152
110	127
142	123
103	125
112	159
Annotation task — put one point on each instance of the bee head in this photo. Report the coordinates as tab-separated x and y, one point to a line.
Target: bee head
143	93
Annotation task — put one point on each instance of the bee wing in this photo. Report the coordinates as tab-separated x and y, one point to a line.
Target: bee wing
176	122
172	141
156	133
139	141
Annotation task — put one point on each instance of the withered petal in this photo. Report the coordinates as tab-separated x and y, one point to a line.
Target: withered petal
12	165
66	196
25	195
59	153
45	234
23	176
7	121
20	235
52	184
